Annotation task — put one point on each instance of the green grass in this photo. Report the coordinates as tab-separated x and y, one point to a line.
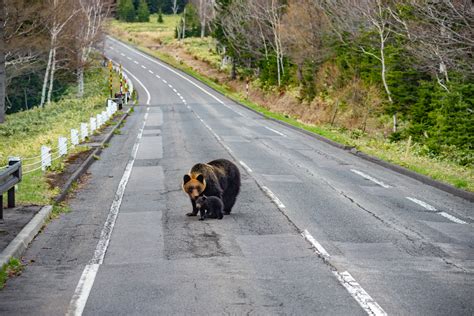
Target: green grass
23	134
11	269
375	145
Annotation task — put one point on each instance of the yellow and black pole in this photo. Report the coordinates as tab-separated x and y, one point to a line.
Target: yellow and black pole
110	78
121	80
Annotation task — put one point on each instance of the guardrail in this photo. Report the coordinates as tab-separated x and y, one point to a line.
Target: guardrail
9	177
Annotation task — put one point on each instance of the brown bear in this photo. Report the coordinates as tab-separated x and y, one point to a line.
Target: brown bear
210	207
219	178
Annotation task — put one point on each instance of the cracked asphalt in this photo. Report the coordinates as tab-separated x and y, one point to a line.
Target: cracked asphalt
405	258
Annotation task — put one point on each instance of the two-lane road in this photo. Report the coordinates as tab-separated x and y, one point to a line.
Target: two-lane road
315	230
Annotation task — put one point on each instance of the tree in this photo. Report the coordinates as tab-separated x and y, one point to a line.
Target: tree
154	6
90	19
2	62
143	14
126	11
160	16
58	15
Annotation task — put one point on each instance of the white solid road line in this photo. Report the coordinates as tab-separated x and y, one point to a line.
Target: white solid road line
244	165
317	246
359	294
432	208
141	83
275	131
84	286
381	183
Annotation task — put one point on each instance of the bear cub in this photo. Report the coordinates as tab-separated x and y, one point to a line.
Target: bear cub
210	207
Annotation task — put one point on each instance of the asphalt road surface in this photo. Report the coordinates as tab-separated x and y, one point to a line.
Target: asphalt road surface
315	230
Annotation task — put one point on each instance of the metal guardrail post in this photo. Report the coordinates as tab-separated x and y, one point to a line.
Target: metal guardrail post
10	177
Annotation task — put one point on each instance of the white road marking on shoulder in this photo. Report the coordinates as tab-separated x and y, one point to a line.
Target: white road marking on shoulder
244	165
84	286
423	204
317	246
273	197
275	131
83	289
381	183
452	218
369	305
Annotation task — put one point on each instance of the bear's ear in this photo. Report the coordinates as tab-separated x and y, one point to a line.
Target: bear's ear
200	178
186	178
203	197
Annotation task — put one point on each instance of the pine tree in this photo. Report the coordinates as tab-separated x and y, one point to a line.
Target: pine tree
126	10
160	16
143	14
153	6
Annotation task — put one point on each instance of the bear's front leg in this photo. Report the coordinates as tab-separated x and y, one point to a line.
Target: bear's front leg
203	214
195	210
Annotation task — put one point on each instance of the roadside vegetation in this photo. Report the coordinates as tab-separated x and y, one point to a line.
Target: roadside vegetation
23	133
12	269
341	97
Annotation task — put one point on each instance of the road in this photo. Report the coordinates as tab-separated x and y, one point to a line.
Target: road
315	230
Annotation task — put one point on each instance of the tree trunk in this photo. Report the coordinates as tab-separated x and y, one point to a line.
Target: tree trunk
384	79
53	70
80	81
46	76
2	62
233	71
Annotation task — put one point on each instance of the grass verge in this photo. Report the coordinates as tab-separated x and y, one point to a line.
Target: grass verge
23	134
145	36
12	269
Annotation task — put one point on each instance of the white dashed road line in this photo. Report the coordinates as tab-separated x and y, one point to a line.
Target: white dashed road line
136	62
423	204
244	165
143	67
129	58
432	208
150	71
366	176
452	218
317	246
275	131
273	197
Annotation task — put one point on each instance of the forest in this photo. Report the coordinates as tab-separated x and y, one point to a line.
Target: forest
400	67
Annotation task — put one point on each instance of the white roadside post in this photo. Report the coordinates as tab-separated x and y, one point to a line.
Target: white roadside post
74	137
62	146
45	157
84	131
93	125
99	120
